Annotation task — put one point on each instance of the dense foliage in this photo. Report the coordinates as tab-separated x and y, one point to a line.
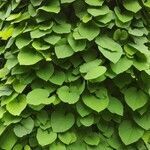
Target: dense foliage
75	74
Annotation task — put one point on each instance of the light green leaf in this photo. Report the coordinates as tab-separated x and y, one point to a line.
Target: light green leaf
96	103
92	139
86	67
68	95
95	73
67	1
88	31
115	106
112	46
87	120
6	33
39	45
132	5
13	16
39	96
35	34
52	39
18	86
123	17
45	137
94	2
63	51
135	98
62	28
52	6
62	121
82	109
25	127
98	11
16	106
22	41
57	146
122	65
29	57
76	45
67	137
112	56
129	132
106	18
46	71
58	77
36	3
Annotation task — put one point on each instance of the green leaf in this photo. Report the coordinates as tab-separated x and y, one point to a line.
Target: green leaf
129	132
63	51
135	98
112	56
132	5
46	71
62	121
8	140
39	96
106	18
35	34
36	3
112	46
5	91
52	39
92	139
95	73
28	57
62	28
68	95
86	67
122	65
76	45
143	120
123	17
66	1
52	6
96	103
16	106
45	137
115	106
13	16
94	2
88	31
6	33
98	11
58	77
19	86
57	146
22	41
82	109
67	137
87	120
39	45
25	127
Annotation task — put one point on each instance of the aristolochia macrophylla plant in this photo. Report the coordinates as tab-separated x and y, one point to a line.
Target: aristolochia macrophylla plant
75	74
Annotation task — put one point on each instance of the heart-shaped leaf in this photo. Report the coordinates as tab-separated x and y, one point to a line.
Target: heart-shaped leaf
45	137
62	121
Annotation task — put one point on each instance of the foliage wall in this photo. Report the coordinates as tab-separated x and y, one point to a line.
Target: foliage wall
75	74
